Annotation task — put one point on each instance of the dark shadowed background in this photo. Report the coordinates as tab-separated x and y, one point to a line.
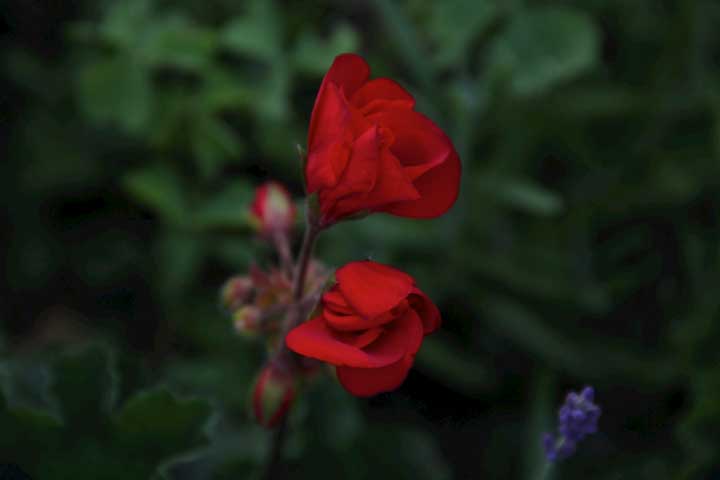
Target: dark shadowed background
584	247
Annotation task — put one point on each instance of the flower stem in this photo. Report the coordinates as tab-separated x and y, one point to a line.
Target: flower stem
294	317
544	474
311	233
282	245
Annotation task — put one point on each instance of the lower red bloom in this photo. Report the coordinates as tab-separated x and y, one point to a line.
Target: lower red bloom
370	327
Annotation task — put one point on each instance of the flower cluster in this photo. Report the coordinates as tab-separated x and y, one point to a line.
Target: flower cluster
577	418
368	151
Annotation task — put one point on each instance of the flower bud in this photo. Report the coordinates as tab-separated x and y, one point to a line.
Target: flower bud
273	395
236	292
247	320
272	209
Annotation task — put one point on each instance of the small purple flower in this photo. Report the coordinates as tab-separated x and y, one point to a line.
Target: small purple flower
577	418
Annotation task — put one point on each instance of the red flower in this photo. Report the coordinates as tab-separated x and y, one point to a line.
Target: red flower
369	151
272	209
371	326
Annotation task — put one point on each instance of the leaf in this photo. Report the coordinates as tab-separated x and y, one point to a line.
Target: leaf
84	384
256	34
401	32
274	90
226	209
115	91
314	55
540	421
123	21
214	145
454	24
544	47
175	41
178	255
522	194
91	441
576	357
156	424
159	188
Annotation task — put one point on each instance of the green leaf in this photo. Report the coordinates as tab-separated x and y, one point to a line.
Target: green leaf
84	384
314	55
275	90
92	442
159	188
226	209
156	424
544	47
222	91
123	21
256	34
540	421
453	24
178	255
176	41
576	357
402	33
214	145
115	91
522	194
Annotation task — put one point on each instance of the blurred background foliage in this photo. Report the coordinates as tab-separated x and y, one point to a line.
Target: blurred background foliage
584	248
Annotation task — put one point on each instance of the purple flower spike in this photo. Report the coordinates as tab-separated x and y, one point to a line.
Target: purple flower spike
577	418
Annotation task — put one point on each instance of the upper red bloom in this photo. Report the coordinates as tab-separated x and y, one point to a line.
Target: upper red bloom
272	209
371	326
369	151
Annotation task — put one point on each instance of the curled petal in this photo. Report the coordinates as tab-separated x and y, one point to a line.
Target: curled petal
372	288
330	114
426	310
366	382
353	322
315	340
380	94
439	188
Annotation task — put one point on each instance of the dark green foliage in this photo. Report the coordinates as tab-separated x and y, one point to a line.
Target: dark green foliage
86	435
584	247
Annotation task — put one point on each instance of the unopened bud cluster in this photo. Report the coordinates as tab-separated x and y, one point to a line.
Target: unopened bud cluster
259	301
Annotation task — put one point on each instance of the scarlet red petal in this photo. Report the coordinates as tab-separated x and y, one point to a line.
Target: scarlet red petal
426	310
350	322
334	300
404	334
366	382
392	186
419	144
325	164
315	340
349	72
439	188
360	339
372	288
380	94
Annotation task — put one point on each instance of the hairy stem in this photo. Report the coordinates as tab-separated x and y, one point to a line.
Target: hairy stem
294	317
282	245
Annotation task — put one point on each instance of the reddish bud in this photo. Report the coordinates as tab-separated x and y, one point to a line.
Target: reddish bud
272	209
247	320
273	395
236	292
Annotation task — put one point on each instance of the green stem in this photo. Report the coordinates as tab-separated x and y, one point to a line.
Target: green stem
544	474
